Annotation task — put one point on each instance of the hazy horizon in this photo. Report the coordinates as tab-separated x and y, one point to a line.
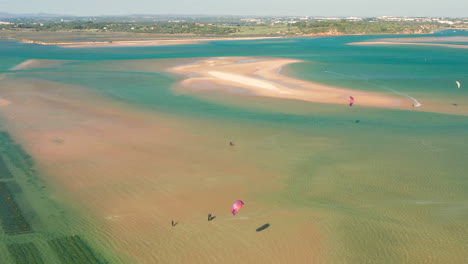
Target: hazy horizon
206	15
359	8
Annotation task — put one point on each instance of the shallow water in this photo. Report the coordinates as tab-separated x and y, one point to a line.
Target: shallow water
120	153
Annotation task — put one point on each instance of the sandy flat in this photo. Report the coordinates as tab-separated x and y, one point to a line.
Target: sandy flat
37	64
131	172
249	81
141	43
4	102
261	76
429	39
408	43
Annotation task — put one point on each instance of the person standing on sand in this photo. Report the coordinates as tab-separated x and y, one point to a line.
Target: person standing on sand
172	223
210	216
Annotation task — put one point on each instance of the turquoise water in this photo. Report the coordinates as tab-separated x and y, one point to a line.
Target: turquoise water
396	70
393	183
408	69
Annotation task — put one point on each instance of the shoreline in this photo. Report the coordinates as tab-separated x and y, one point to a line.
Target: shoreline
407	43
176	40
142	43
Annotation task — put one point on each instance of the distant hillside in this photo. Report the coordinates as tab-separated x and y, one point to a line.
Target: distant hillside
200	25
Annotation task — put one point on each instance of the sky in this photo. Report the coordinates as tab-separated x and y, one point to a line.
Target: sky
360	8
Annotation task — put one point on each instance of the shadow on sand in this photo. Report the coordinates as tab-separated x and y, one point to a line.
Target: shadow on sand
263	227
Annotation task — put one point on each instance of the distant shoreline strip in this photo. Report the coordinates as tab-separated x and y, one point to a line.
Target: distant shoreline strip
141	43
408	43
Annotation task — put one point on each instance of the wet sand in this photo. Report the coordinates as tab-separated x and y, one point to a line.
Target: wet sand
37	64
261	76
140	43
4	102
131	172
430	39
408	43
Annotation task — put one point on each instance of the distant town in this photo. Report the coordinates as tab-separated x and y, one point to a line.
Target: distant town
199	25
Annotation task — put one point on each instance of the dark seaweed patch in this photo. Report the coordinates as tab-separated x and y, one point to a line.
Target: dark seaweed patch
11	217
73	250
26	253
4	171
15	153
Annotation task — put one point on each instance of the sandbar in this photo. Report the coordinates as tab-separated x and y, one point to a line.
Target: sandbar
261	76
461	46
4	102
37	64
140	43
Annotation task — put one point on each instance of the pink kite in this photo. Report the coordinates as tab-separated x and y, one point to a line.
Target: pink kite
351	101
236	207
